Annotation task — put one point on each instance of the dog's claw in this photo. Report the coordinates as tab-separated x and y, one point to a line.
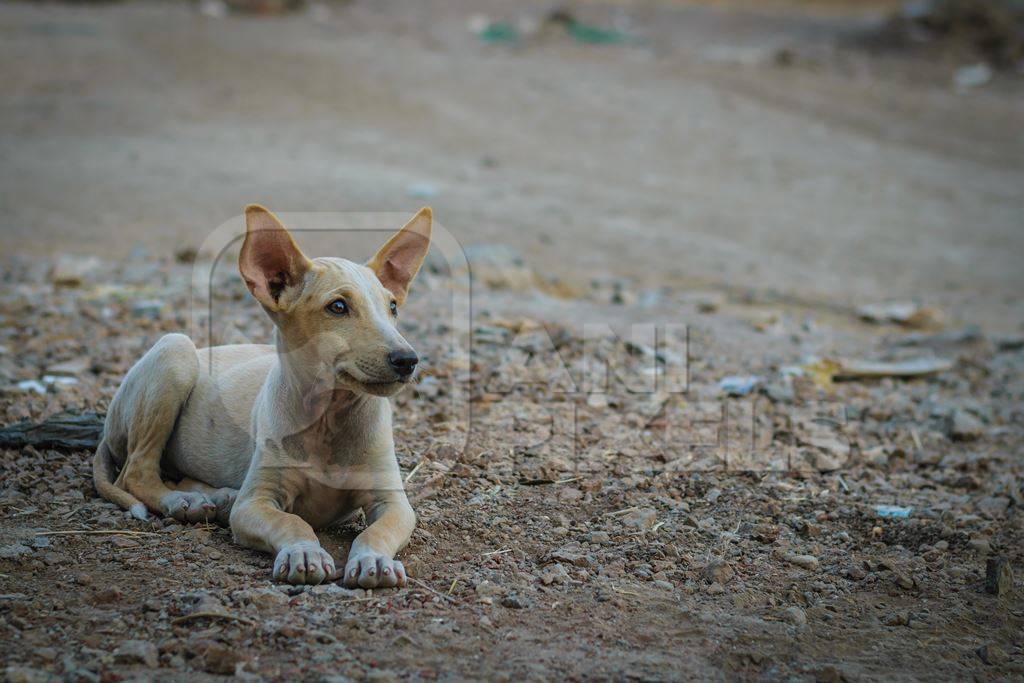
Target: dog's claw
188	506
374	570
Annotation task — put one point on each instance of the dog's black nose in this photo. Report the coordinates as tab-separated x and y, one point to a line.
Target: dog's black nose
403	361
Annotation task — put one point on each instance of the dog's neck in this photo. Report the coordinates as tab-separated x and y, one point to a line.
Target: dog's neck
309	390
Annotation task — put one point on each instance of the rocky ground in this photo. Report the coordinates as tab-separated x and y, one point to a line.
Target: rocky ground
724	185
719	522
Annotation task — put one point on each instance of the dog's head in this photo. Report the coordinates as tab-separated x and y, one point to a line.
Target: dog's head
334	314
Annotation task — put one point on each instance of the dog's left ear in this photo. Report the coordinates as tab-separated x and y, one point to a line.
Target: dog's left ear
398	261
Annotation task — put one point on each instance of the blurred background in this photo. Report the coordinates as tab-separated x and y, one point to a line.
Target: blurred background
829	150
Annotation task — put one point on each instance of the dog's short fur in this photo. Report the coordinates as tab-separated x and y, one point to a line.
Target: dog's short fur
279	440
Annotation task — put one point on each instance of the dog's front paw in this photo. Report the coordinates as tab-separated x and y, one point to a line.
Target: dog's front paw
373	570
304	562
189	506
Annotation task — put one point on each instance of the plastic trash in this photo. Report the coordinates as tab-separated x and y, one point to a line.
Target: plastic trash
738	385
893	511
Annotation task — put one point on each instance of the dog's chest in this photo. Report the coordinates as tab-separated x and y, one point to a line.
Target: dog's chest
333	476
330	494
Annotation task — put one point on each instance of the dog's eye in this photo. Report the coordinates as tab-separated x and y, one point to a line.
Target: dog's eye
394	308
337	307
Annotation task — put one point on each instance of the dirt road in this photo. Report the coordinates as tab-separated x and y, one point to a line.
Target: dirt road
842	177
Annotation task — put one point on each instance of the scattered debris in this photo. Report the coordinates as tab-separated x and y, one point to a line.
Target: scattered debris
998	576
865	369
63	432
974	76
893	511
906	313
739	385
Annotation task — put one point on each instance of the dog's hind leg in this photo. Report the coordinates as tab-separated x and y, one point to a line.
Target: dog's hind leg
141	419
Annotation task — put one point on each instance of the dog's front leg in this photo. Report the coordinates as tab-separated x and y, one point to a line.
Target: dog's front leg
259	521
371	562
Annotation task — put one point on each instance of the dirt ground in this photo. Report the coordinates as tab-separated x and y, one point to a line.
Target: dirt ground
743	177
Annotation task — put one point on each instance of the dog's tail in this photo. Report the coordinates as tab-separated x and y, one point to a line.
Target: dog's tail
103	478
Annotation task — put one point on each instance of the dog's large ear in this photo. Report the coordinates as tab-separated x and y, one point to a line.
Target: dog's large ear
270	262
398	261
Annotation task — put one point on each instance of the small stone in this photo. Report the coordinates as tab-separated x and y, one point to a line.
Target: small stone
555	573
147	308
599	537
963	426
71	271
122	542
70	368
715	589
221	659
941	545
991	654
795	616
856	572
898	619
664	585
904	581
998	576
982	546
513	601
24	674
994	506
644	518
488	589
718	571
107	595
265	599
765	533
137	652
829	674
14	551
804	561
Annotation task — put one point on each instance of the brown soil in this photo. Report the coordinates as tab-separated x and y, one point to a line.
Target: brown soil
635	535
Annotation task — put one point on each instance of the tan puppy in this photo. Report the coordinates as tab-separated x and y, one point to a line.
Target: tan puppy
300	431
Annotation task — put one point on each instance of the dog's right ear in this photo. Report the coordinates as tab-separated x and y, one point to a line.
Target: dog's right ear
270	262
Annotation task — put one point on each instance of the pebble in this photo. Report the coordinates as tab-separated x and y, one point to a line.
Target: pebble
147	308
904	581
599	537
991	654
24	674
137	652
221	659
644	518
264	599
795	616
513	601
14	551
982	546
998	576
963	426
718	571
804	561
554	573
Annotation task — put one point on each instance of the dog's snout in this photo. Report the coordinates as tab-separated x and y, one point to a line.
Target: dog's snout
403	361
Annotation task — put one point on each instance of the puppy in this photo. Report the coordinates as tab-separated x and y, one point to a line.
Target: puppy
278	440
